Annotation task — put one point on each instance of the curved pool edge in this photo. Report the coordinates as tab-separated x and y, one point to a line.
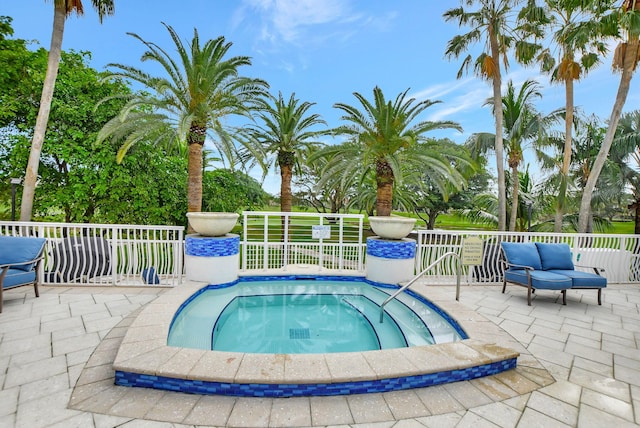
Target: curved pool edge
145	360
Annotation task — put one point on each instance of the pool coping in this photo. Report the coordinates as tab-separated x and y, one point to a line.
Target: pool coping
145	359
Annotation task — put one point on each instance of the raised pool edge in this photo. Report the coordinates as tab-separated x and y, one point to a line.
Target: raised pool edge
304	390
494	360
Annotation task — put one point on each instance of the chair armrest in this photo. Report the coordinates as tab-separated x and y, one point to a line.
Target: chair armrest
34	261
510	265
596	269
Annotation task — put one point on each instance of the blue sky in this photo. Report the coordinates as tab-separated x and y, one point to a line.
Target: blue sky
321	50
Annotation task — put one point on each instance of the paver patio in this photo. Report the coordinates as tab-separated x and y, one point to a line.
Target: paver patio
57	348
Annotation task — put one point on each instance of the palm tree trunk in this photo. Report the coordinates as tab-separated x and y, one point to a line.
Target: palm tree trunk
195	142
515	191
384	188
53	61
285	189
499	149
384	195
566	160
630	61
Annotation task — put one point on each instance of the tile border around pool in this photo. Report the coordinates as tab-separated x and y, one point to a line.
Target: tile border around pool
144	359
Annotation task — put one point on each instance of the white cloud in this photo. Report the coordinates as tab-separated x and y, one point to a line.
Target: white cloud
436	92
287	20
470	100
308	22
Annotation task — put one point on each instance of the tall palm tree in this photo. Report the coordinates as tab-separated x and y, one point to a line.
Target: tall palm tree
286	133
575	30
61	10
187	104
384	140
490	23
522	124
625	22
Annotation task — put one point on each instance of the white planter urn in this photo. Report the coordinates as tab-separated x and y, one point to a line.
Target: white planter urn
391	227
212	223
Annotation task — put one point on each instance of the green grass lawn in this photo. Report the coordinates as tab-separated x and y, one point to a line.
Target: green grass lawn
623	227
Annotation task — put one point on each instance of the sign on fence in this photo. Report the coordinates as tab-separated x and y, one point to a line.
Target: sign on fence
472	251
320	232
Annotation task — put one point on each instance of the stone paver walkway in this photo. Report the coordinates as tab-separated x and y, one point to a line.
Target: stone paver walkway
53	346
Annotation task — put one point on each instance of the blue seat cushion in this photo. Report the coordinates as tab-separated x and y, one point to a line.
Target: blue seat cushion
555	256
19	249
523	254
540	279
16	277
581	279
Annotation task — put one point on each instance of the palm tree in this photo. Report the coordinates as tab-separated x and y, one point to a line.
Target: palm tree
61	10
522	124
428	197
589	134
626	22
625	154
576	32
484	206
283	139
490	23
199	90
384	141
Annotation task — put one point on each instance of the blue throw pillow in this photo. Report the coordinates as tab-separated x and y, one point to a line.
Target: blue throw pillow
555	256
524	254
150	276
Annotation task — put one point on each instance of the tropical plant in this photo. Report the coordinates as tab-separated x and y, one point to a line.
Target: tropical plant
576	34
522	124
79	182
625	23
287	131
430	198
484	206
187	105
385	139
332	196
61	10
589	134
21	79
625	154
231	191
491	23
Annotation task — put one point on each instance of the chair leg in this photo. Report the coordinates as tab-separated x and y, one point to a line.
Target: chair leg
529	295
600	296
504	286
564	297
35	288
1	297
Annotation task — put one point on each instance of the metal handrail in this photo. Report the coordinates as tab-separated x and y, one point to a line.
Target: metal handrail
428	268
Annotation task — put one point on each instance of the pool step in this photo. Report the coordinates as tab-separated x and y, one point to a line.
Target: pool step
390	335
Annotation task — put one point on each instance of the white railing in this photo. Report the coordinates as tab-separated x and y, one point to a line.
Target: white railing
618	255
287	241
100	254
274	242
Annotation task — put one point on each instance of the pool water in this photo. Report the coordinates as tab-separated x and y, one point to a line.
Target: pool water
306	316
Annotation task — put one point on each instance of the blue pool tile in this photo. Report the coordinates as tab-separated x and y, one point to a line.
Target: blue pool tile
296	390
